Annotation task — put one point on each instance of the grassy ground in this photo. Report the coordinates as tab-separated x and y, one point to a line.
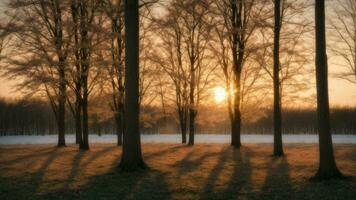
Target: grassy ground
176	172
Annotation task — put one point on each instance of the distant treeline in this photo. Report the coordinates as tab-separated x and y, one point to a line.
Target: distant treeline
303	121
35	117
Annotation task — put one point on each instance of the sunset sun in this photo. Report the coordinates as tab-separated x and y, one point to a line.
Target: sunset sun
220	94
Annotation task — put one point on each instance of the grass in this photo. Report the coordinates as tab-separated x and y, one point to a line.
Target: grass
176	172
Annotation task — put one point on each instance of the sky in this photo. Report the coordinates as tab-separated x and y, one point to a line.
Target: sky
341	92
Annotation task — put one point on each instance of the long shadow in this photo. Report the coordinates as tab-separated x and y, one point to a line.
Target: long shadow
32	181
164	152
215	173
188	164
78	167
241	174
36	179
239	179
278	183
145	184
29	156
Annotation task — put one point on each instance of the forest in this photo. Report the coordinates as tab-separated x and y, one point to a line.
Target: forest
74	58
16	119
185	67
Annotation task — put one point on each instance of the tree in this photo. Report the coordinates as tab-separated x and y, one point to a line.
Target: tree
115	12
131	158
240	19
277	114
327	165
87	30
40	31
185	32
289	56
253	81
75	75
196	26
171	60
343	24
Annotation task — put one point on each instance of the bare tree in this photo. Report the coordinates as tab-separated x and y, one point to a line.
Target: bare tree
87	31
131	153
115	12
253	87
196	25
240	19
148	70
184	38
327	165
277	113
171	60
41	32
343	24
289	59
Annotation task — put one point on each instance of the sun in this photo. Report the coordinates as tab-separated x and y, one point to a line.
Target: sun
220	94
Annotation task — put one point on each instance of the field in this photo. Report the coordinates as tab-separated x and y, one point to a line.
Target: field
204	171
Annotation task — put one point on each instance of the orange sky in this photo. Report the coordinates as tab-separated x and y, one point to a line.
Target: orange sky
341	92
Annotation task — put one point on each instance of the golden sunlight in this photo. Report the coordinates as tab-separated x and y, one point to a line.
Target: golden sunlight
220	94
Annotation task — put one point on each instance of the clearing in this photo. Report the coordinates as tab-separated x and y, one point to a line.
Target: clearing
205	171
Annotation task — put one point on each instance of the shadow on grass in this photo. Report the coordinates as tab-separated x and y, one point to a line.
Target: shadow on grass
239	179
30	183
77	167
144	184
164	152
277	184
191	163
29	156
153	184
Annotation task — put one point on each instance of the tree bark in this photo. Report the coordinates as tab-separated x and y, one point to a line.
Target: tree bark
237	50
277	114
131	158
62	75
61	109
84	73
78	117
191	126
183	125
192	109
119	128
327	165
78	87
85	142
236	120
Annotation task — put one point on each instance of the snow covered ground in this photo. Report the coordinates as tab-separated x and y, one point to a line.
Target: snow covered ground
159	138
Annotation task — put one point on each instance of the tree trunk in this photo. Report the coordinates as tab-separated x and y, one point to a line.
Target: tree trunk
131	158
236	119
85	142
277	115
192	109
84	73
119	127
327	165
61	126
61	107
61	72
184	131
237	50
184	134
191	126
78	120
183	125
